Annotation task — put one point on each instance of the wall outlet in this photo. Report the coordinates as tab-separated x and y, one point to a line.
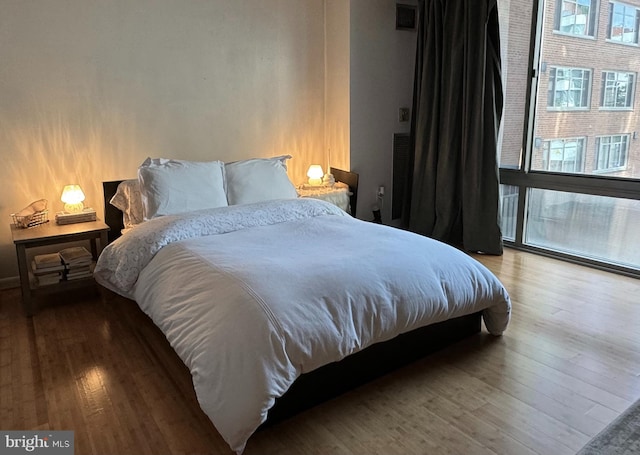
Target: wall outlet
404	114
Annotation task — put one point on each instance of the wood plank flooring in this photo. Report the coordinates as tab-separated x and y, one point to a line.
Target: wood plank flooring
568	364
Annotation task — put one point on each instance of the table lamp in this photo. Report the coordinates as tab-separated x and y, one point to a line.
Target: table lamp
315	174
72	196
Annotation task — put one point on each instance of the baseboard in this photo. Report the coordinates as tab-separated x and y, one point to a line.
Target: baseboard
11	282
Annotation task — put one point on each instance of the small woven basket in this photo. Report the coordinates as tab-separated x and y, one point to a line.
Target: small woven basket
32	220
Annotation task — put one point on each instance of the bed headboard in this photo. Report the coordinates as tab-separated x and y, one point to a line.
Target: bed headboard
112	215
351	179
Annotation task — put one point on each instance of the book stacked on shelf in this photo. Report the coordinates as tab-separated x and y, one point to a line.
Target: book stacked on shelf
47	269
77	262
87	214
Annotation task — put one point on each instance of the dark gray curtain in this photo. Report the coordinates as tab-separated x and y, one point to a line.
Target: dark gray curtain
454	189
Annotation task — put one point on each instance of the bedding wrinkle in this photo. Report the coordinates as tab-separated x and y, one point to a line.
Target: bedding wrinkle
231	349
256	297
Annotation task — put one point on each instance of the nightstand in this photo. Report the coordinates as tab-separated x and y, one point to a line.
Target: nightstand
52	234
338	194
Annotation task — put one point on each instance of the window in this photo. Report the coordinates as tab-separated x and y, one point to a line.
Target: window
576	17
508	211
612	152
623	23
617	90
570	175
563	155
592	226
569	88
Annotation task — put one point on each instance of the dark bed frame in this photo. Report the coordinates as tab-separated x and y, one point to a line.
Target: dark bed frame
330	380
351	179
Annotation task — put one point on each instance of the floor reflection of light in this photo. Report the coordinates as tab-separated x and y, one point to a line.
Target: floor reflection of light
92	386
105	330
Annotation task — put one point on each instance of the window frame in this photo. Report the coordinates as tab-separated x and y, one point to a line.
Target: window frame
579	159
599	149
590	26
630	91
553	82
610	38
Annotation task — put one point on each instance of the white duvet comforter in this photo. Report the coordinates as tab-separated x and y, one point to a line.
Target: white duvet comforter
250	297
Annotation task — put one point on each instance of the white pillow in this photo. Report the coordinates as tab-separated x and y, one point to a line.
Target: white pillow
258	179
129	200
169	187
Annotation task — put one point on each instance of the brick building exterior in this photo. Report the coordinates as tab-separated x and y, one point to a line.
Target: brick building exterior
587	102
515	26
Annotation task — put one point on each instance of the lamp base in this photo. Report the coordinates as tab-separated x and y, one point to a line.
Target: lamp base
74	208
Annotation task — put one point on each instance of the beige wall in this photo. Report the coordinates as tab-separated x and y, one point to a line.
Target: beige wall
338	70
382	67
89	89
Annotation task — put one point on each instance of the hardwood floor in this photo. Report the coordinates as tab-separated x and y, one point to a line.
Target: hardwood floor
568	364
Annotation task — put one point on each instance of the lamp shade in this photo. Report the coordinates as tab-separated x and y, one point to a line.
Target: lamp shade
315	174
72	196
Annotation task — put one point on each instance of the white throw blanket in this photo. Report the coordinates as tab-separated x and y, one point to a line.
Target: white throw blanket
250	297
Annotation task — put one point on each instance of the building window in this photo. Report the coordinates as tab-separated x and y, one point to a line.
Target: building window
623	23
576	17
617	90
569	88
563	155
612	152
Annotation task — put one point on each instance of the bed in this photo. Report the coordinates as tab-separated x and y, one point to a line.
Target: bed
277	304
